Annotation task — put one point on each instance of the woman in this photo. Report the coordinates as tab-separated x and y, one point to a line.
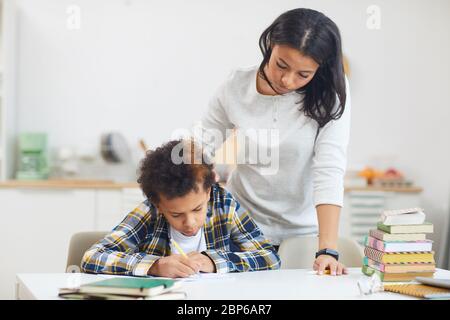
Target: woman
298	90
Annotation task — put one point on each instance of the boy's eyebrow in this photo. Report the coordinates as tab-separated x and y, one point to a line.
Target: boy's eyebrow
196	208
309	71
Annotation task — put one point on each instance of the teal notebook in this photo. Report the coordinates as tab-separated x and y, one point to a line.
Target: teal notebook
130	286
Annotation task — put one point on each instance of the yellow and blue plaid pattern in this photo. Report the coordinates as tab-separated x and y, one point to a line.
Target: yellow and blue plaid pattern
143	237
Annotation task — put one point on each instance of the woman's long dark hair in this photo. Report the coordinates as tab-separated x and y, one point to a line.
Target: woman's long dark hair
317	37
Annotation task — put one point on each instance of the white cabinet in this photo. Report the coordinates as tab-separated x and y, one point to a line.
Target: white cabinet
131	198
113	205
362	210
108	209
37	224
36	228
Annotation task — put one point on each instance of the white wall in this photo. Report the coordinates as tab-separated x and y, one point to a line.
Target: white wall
401	99
145	68
148	67
8	108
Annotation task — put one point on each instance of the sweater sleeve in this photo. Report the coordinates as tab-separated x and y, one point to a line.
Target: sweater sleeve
330	158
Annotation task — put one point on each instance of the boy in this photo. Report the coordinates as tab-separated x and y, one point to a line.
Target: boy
184	206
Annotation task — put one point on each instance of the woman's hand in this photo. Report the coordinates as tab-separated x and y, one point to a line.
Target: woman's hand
324	262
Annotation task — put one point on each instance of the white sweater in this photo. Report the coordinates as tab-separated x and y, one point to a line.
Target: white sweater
309	173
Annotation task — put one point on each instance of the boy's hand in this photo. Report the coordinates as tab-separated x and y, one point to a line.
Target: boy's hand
174	266
206	264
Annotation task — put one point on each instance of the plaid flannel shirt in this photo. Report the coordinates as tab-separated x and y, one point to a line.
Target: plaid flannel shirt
143	237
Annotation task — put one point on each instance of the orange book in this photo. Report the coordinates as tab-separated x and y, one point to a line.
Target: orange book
395	277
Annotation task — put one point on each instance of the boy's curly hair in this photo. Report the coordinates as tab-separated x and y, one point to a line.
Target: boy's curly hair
175	169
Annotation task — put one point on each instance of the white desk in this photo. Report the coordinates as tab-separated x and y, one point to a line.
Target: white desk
270	285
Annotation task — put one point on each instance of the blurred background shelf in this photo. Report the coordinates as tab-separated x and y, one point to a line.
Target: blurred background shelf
88	184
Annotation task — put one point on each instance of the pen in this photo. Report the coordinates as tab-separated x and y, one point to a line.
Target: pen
326	271
179	248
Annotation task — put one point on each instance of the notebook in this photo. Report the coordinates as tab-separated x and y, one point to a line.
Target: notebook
398	246
395	277
419	290
426	227
130	286
403	217
75	294
384	236
399	267
399	257
435	282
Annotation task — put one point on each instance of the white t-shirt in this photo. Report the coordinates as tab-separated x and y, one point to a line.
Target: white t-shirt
188	244
308	172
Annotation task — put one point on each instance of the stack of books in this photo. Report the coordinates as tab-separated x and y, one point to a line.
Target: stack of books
123	288
398	250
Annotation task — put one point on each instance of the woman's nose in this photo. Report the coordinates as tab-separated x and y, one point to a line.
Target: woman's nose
286	80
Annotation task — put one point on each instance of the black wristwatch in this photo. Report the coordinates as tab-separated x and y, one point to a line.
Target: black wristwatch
329	252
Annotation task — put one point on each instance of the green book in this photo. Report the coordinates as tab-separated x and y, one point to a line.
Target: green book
426	227
384	236
144	287
74	294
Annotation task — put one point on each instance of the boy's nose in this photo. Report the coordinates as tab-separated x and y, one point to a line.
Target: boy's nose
189	222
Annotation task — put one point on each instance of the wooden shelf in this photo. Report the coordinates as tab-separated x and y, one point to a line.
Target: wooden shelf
108	184
385	189
66	184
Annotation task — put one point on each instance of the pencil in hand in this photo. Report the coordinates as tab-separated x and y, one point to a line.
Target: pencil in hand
178	248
